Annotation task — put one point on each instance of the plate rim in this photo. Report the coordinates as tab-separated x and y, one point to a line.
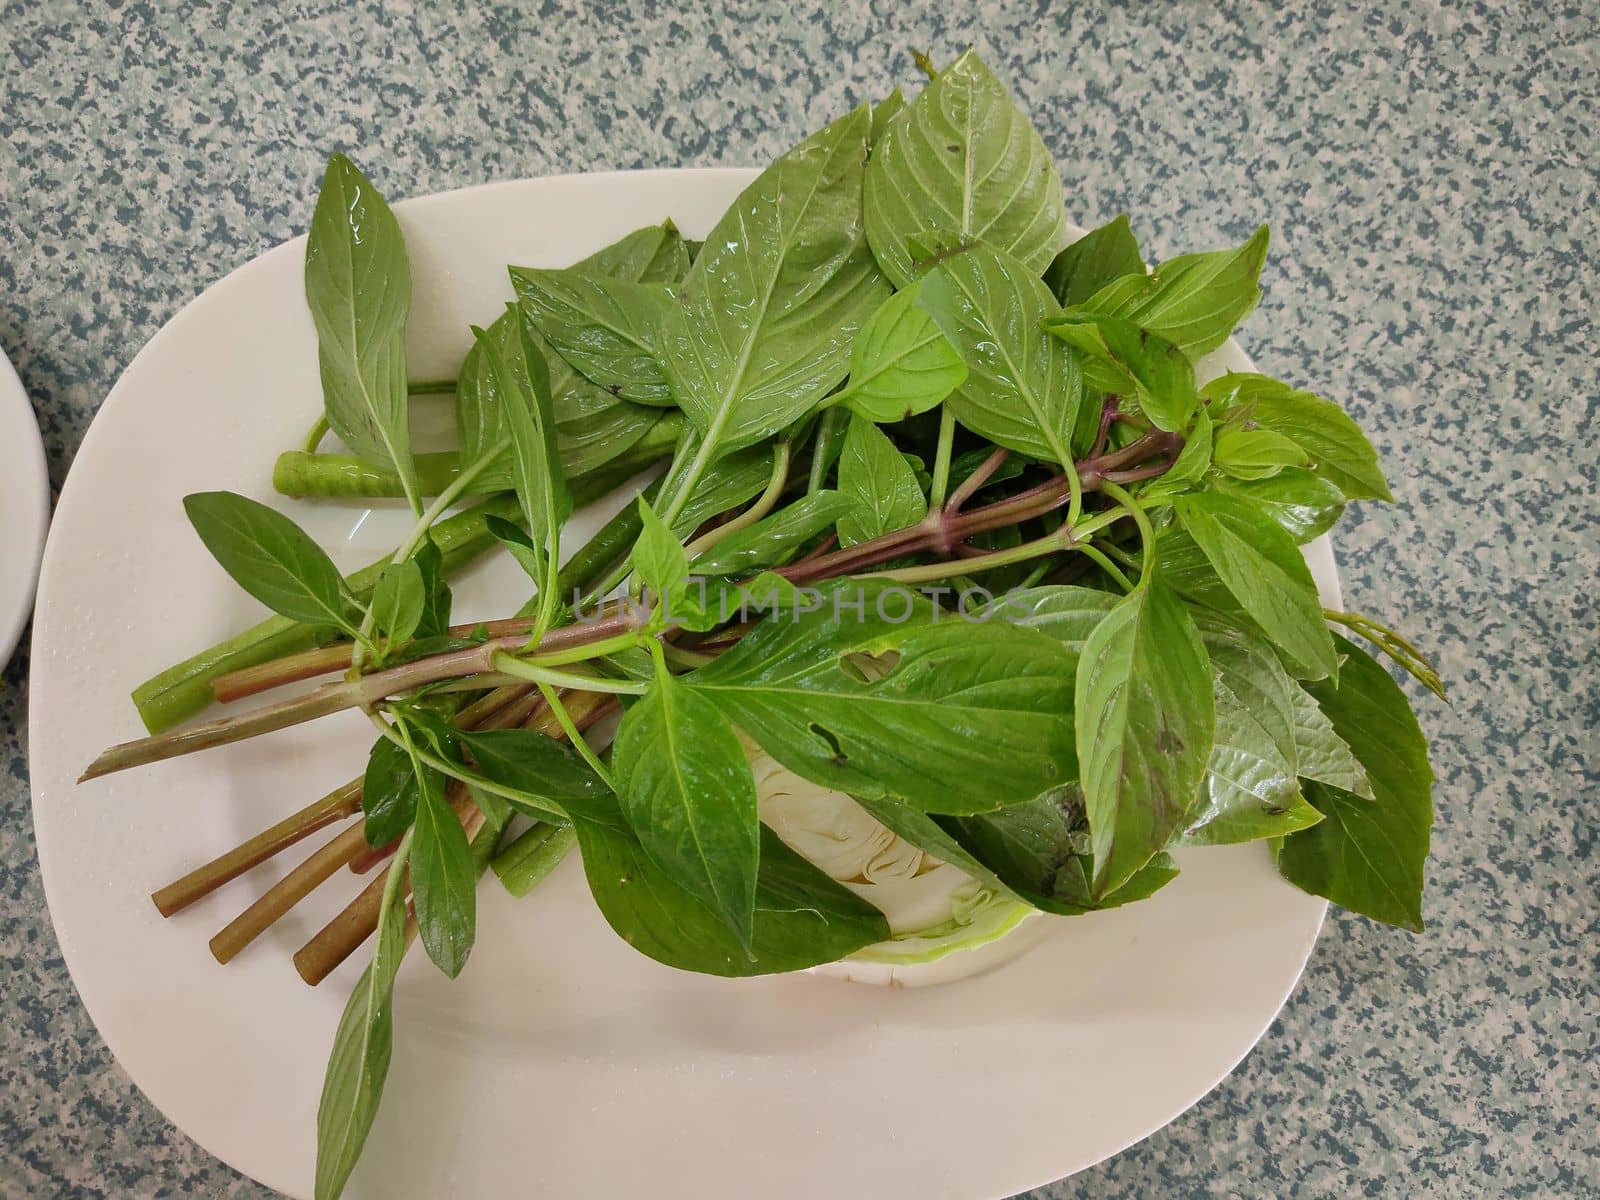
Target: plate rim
35	523
171	328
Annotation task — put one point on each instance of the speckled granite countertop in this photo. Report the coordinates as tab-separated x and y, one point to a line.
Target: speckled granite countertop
1430	175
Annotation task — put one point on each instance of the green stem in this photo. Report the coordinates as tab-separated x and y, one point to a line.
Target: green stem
184	689
431	387
524	864
1049	544
822	449
941	459
1106	565
318	432
1147	535
561	658
762	506
518	668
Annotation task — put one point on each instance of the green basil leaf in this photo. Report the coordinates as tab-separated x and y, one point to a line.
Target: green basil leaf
927	834
1248	668
654	254
879	484
1339	451
537	767
270	557
1074	892
687	791
444	887
883	112
1192	463
358	288
1066	614
1250	790
727	483
398	601
1023	390
388	793
1099	257
1255	453
963	160
658	556
774	540
1368	855
527	553
1261	565
1321	754
604	327
1133	360
1307	505
1039	850
536	469
1194	300
359	1062
995	700
802	917
1145	718
900	364
763	323
437	599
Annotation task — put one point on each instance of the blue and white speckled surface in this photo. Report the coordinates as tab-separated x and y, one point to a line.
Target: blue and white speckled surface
1430	175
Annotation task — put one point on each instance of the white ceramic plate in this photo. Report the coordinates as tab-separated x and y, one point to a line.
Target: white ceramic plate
561	1060
24	507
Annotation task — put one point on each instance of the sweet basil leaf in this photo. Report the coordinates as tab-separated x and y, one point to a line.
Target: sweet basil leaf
437	599
1249	669
883	112
528	555
1145	719
962	159
653	254
1250	791
1131	359
687	791
927	834
358	288
879	484
398	601
1255	453
1320	753
1074	892
900	364
802	917
995	699
388	793
444	887
774	540
1339	451
1307	505
359	1062
726	484
1261	565
658	556
604	327
1097	258
540	769
270	557
1194	300
1023	390
1066	614
1191	465
763	323
1039	849
1368	855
